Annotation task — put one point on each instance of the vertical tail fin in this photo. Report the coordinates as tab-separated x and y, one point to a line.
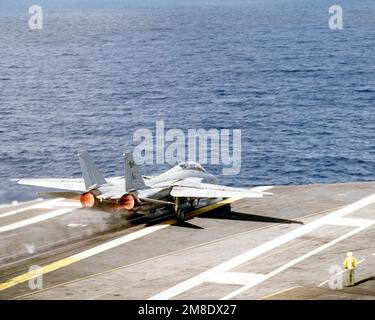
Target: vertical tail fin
91	174
133	179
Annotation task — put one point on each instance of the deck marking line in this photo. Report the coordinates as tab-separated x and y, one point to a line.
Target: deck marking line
36	219
39	205
240	278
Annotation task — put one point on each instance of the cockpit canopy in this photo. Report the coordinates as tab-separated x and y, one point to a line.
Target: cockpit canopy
191	166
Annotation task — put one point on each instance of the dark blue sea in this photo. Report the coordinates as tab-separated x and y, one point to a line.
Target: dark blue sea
302	94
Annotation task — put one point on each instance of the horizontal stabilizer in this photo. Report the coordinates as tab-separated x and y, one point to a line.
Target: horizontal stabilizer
65	184
67	195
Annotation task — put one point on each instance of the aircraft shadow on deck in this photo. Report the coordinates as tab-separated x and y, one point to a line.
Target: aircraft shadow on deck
227	214
233	215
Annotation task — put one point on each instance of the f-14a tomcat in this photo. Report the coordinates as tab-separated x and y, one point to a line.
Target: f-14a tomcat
179	189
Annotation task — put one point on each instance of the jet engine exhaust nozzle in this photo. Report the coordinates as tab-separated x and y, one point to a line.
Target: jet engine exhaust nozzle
87	200
127	202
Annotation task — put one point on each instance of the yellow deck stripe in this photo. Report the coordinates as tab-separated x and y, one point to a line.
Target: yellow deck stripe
32	274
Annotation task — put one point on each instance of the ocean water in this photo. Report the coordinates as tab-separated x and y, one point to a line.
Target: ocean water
302	94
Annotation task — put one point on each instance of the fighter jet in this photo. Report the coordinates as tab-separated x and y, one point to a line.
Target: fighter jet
179	189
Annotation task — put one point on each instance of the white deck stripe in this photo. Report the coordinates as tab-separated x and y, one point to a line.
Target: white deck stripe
36	219
16	203
240	278
117	242
39	205
257	251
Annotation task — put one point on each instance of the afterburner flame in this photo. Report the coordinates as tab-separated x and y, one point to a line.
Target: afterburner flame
87	200
127	202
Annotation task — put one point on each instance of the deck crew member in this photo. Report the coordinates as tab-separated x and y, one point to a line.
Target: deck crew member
350	263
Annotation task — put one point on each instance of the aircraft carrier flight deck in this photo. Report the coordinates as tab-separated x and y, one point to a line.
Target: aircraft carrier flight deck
287	246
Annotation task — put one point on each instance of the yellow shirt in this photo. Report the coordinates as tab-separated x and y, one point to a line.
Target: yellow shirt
350	263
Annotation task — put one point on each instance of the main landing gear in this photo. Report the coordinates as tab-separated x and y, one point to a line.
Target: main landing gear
179	212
